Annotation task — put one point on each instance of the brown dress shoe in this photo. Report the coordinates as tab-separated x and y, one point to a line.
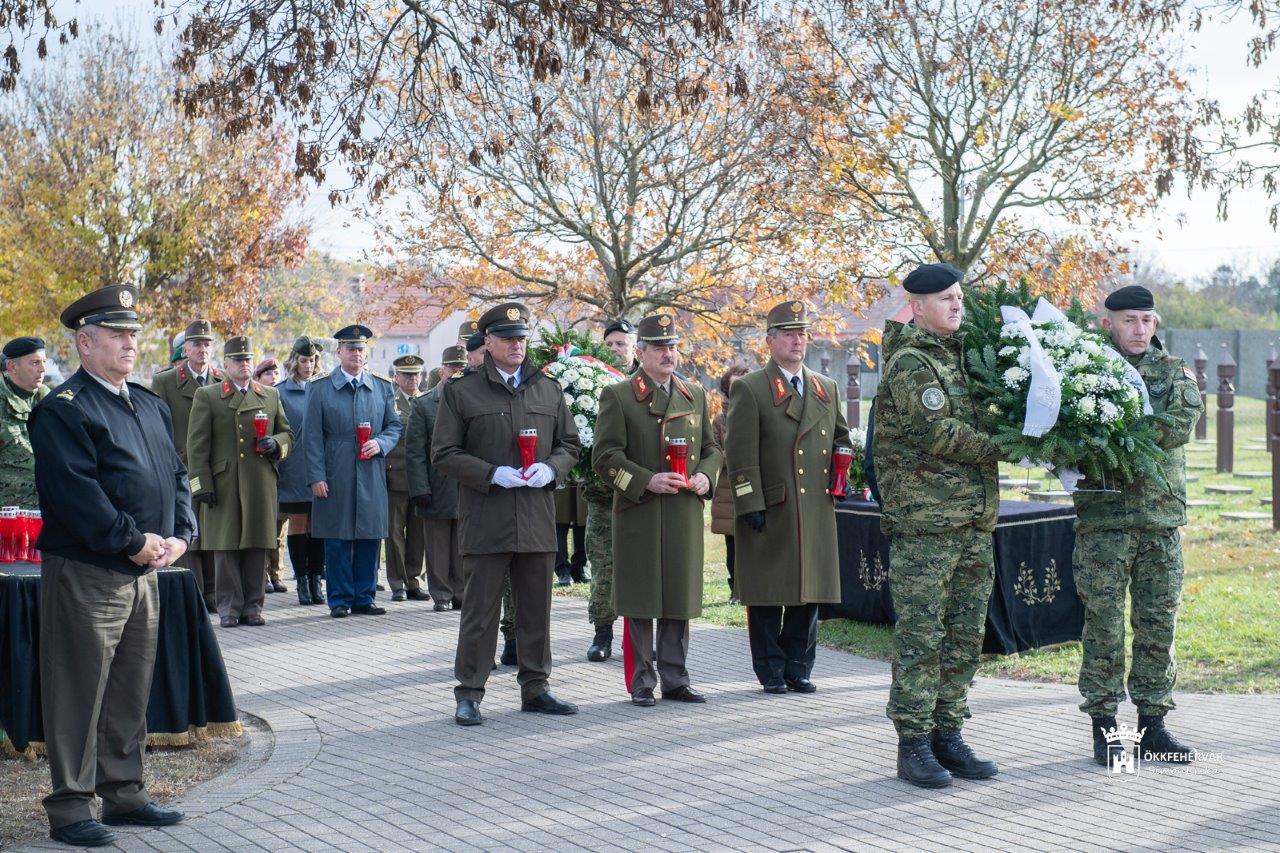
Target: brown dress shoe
254	620
229	622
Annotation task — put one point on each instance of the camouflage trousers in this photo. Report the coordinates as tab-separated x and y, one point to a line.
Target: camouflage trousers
600	554
941	583
1149	564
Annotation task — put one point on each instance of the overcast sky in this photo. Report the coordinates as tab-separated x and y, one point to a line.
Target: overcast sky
1186	236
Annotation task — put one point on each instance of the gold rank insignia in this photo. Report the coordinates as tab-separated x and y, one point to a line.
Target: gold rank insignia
195	484
742	489
67	394
621	479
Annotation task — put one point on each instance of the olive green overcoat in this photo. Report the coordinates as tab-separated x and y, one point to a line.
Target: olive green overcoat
779	461
657	539
221	459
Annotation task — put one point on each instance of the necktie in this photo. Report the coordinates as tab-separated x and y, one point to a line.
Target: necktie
200	381
511	382
354	385
124	395
795	383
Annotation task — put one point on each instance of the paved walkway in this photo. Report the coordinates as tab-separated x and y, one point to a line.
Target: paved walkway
366	756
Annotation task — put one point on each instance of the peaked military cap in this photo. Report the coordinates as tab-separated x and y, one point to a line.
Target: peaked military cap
931	278
354	336
237	347
475	342
658	329
199	330
112	307
408	364
468	328
508	320
18	347
1135	297
455	355
789	315
306	345
620	325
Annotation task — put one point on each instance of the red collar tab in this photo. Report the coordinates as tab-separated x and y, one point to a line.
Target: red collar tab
780	390
818	389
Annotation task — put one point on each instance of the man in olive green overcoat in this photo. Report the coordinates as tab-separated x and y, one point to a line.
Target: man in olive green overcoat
786	422
658	522
233	481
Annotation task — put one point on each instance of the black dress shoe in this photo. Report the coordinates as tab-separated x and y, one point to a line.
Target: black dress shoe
684	693
418	594
801	685
548	704
563	578
148	815
643	697
457	604
83	833
278	586
228	622
369	610
398	595
440	608
776	686
468	713
340	612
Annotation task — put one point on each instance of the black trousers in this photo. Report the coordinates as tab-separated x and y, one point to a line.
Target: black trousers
728	559
784	640
565	565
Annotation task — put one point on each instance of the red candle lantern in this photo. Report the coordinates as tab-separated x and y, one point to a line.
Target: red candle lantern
364	432
678	457
527	441
37	524
840	480
8	527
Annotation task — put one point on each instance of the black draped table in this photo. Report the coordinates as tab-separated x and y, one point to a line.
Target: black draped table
1033	600
190	693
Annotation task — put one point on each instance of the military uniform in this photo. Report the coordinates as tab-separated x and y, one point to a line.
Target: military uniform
17	461
1130	540
306	552
657	538
353	518
177	386
233	476
937	473
435	496
107	473
406	546
785	429
504	530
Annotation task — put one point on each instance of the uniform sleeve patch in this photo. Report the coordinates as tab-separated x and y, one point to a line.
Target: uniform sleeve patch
68	394
195	484
1191	396
933	399
622	479
742	489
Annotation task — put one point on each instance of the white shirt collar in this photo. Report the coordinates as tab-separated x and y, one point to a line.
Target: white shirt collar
787	375
506	376
351	378
105	384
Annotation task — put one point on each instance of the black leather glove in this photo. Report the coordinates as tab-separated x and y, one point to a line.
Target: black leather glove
421	501
754	520
269	448
206	498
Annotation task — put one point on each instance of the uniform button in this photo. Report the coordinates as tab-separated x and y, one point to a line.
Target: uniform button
242	441
242	456
801	452
824	451
799	470
824	470
824	432
802	490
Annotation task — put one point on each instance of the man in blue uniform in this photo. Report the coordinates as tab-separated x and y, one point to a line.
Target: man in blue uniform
115	503
349	480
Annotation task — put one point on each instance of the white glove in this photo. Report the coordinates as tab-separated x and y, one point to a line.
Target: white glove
539	474
508	478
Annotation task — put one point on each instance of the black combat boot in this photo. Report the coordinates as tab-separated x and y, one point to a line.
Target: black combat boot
602	646
304	588
918	765
508	650
957	758
317	592
1102	750
1158	745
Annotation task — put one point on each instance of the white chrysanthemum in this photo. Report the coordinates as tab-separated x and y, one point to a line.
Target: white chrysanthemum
1009	330
1008	352
1087	406
586	436
587	404
1108	412
1077	359
1015	376
581	421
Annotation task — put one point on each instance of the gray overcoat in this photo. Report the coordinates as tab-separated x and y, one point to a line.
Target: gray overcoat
292	486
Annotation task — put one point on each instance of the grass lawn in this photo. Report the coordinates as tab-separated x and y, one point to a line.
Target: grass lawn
1228	638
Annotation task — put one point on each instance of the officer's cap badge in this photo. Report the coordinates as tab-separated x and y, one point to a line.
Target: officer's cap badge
513	314
126	299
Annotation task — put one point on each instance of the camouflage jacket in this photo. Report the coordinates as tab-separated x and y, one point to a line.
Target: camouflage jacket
935	466
1147	504
17	462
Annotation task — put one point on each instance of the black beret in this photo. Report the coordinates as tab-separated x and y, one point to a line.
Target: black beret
18	347
1135	297
619	326
931	278
475	342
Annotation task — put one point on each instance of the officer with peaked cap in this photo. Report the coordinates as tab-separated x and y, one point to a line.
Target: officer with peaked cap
1127	539
348	479
466	330
787	424
936	467
234	480
20	390
434	494
406	546
305	552
177	387
115	504
506	514
657	512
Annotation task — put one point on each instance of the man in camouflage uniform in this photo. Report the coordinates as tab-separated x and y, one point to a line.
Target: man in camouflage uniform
620	337
1129	538
937	476
23	386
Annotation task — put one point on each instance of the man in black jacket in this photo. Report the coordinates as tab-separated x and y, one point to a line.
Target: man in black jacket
116	506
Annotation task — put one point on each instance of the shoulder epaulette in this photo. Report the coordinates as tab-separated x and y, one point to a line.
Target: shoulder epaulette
319	376
66	394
